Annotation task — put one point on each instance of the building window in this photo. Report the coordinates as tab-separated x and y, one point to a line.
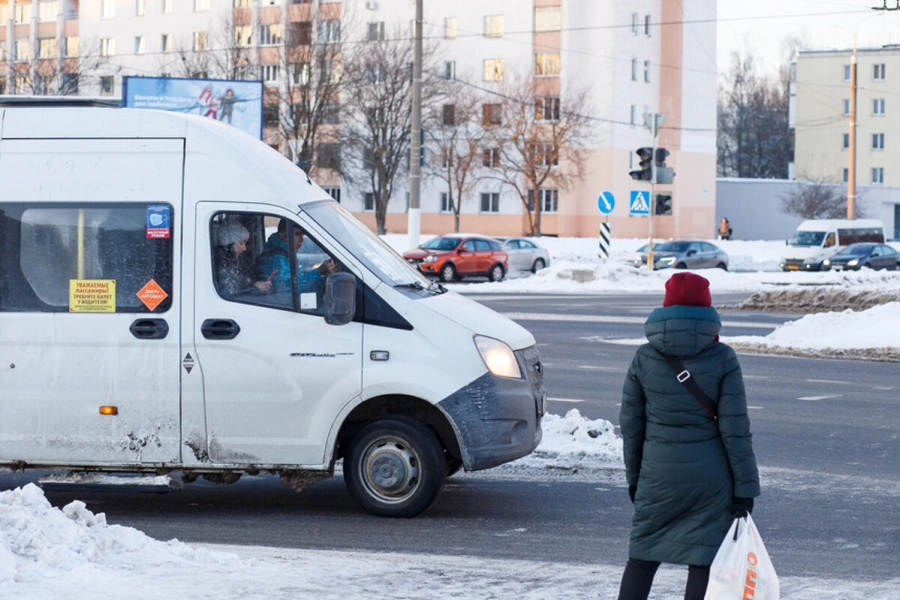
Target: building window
72	47
271	115
546	108
647	71
375	31
270	35
47	48
877	141
369	202
547	18
450	69
878	106
328	156
201	5
2	85
845	175
877	175
549	200
493	69
846	106
847	72
448	115
22	49
243	35
199	40
544	155
299	73
375	73
491	114
445	202
334	192
108	47
270	73
139	46
166	6
23	13
878	72
846	144
69	84
166	42
107	85
634	69
107	9
140	8
450	29
47	11
242	3
633	114
490	202
647	25
331	31
493	26
635	26
490	157
546	64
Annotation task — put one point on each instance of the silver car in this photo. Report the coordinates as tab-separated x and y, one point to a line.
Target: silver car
524	254
687	254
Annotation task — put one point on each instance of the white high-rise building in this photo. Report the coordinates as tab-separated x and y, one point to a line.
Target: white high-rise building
631	57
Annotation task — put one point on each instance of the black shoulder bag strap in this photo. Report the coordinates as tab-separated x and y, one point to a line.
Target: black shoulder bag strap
684	378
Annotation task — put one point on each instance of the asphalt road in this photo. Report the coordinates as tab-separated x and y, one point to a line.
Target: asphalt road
826	435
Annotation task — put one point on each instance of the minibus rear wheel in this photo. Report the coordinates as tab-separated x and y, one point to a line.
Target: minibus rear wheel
395	467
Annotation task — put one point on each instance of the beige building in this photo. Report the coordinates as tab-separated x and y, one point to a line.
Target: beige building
635	57
820	116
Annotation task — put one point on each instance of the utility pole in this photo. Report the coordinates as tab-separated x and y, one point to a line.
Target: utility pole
652	121
415	143
851	151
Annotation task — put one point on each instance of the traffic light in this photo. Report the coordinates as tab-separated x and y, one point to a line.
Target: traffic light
664	174
645	173
661	154
664	204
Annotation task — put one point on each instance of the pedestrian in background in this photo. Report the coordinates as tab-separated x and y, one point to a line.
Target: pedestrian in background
724	229
690	469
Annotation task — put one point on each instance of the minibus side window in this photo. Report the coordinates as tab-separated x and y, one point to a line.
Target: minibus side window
251	262
91	258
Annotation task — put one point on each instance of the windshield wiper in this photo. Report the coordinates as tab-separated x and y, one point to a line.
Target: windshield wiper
436	288
412	285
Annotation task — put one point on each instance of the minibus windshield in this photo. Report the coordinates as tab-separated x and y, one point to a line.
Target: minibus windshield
807	238
359	240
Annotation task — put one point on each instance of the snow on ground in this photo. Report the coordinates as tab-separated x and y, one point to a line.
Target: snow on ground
48	553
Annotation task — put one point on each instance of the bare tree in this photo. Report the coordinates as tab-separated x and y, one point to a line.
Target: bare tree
378	91
454	142
537	142
817	200
753	136
57	75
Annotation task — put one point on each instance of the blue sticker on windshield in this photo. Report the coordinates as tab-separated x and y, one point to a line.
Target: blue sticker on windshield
158	221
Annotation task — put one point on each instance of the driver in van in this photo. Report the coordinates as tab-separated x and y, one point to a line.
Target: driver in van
233	275
274	264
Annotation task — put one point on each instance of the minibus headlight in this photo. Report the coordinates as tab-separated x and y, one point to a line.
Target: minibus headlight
498	357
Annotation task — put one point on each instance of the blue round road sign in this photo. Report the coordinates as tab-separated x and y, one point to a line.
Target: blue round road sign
606	202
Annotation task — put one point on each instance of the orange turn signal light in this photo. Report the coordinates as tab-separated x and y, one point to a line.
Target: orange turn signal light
109	410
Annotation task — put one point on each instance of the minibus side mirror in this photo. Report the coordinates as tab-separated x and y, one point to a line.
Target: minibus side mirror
340	298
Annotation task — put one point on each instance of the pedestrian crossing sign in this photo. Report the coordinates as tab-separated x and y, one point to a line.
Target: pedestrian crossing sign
640	202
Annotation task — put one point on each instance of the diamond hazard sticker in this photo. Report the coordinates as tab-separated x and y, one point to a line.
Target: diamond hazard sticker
151	294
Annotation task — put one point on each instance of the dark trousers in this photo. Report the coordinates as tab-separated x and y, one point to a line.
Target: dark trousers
638	579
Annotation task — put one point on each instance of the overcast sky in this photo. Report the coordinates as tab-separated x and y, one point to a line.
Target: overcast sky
760	26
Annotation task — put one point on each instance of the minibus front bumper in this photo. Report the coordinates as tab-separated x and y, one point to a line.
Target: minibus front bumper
498	419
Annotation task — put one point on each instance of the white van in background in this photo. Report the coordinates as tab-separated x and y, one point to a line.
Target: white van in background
817	239
147	325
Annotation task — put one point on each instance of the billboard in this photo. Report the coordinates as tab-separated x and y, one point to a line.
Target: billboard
238	103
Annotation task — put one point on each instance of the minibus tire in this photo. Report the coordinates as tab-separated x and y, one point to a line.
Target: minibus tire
395	467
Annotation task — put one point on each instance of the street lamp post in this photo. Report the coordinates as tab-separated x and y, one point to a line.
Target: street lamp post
415	143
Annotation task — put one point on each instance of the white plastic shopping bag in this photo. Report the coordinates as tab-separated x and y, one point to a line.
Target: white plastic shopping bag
742	569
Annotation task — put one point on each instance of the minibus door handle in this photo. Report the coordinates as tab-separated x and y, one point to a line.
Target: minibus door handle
220	329
149	329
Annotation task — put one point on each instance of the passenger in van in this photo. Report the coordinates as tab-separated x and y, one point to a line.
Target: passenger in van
274	264
233	275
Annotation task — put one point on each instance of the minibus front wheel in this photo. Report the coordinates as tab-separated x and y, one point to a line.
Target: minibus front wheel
395	467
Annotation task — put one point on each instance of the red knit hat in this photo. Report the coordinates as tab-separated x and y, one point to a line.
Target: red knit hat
687	289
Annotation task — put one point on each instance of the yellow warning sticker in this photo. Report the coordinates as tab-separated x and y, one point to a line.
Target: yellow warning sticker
92	295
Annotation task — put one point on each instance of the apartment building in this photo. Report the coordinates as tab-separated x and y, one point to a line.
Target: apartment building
629	57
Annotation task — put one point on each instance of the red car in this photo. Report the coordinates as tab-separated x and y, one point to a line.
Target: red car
456	255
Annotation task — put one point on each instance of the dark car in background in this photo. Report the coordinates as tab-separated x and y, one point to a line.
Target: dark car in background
524	254
683	254
454	256
857	256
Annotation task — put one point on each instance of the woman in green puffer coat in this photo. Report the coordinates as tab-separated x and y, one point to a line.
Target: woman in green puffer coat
688	472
